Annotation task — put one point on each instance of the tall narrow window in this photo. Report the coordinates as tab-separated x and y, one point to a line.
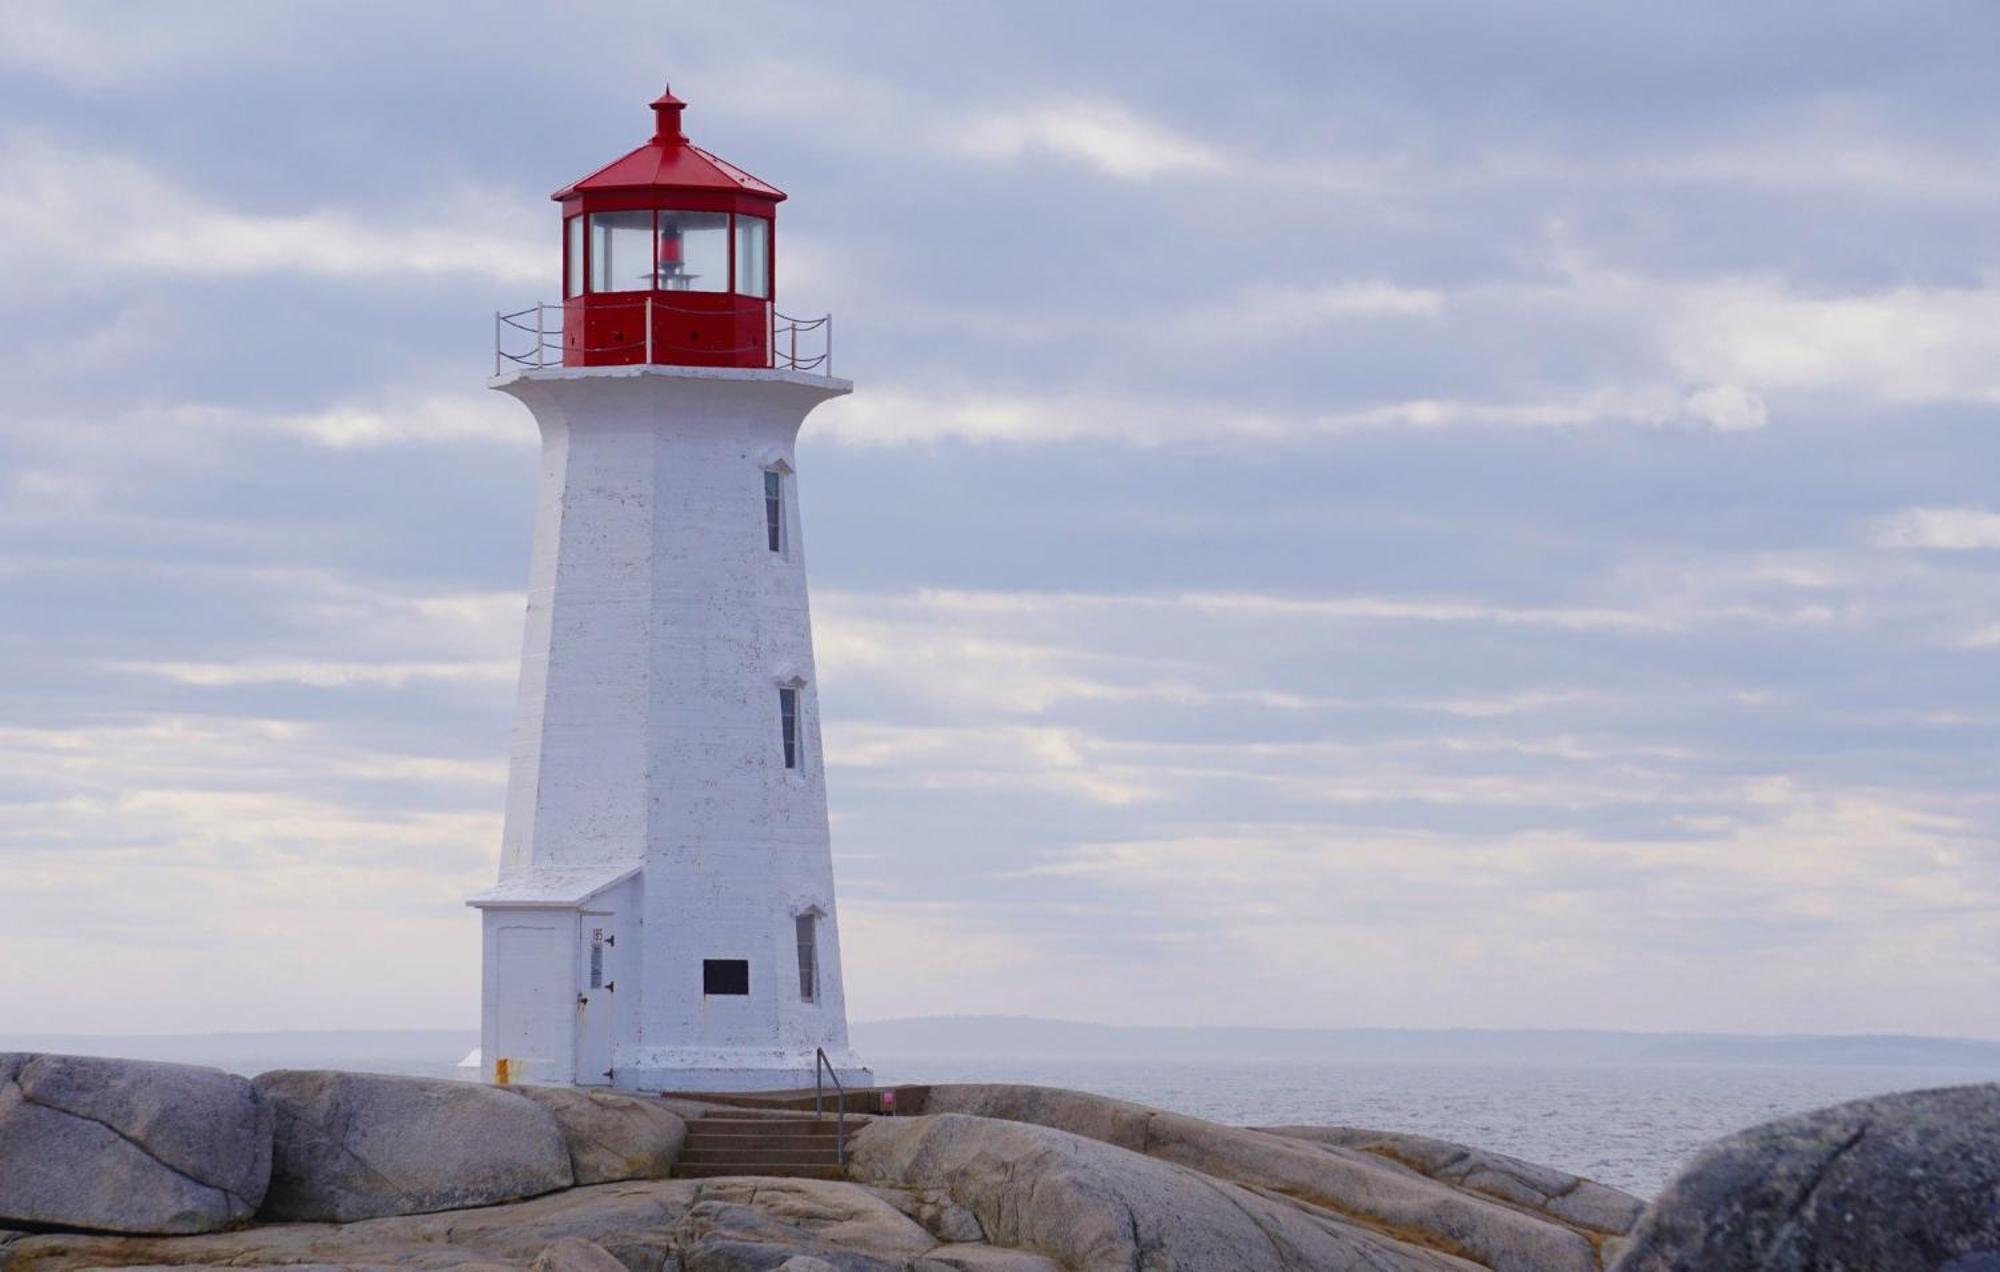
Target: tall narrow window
774	509
788	720
808	925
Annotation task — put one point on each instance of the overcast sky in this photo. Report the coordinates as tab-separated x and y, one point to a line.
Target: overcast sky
1352	514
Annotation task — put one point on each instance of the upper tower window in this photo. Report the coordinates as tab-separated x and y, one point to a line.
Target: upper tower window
774	509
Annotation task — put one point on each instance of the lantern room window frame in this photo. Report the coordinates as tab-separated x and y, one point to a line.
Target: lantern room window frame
577	236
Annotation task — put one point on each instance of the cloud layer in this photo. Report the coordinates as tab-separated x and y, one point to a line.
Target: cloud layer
1446	516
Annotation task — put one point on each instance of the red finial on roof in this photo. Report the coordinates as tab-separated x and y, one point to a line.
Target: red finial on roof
667	116
669	161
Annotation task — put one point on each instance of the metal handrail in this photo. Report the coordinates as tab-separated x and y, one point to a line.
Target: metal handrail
824	1066
544	347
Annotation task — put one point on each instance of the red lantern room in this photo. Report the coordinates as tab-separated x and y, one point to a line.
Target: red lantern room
668	257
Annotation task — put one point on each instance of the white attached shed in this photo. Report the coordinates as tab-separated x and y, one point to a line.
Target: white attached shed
558	942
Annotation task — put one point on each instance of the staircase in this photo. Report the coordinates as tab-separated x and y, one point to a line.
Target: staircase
803	1147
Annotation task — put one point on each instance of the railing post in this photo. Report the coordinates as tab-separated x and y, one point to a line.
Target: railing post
496	342
829	344
541	341
823	1069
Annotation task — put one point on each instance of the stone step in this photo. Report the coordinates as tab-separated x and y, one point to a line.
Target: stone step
775	1155
745	1131
859	1099
718	1170
794	1147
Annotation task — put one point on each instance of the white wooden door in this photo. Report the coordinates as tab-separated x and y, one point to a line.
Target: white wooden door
597	971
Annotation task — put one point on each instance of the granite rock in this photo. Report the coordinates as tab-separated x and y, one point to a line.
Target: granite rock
129	1145
1899	1181
353	1146
575	1254
1572	1199
1089	1205
612	1137
1374	1190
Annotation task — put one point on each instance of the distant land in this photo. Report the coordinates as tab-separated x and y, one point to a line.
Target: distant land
1029	1037
889	1042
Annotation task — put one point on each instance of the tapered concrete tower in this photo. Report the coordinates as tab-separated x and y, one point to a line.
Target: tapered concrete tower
665	915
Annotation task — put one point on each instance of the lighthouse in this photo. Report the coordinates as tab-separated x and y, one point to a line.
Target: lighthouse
664	917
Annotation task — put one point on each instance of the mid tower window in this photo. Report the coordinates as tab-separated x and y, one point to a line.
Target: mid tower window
808	925
788	723
774	509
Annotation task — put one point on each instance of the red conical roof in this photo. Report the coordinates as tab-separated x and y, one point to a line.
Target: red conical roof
671	161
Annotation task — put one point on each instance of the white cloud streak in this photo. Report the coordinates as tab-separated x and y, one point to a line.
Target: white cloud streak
80	214
1950	529
1097	133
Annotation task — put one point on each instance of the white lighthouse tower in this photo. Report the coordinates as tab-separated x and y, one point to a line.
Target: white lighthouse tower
665	915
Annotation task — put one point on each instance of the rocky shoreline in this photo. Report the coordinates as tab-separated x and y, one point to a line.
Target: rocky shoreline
110	1163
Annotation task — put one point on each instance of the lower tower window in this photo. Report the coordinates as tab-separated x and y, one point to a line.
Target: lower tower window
808	926
725	976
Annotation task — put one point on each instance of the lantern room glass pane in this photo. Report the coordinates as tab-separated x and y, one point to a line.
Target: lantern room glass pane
621	251
573	252
694	251
753	257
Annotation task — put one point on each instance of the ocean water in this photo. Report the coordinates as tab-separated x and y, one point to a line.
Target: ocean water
1628	1125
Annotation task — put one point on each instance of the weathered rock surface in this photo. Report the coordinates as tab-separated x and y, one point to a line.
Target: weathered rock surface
129	1145
1901	1181
1089	1205
1040	1180
574	1254
612	1137
760	1223
632	1221
986	1258
351	1146
1376	1190
722	1225
1570	1198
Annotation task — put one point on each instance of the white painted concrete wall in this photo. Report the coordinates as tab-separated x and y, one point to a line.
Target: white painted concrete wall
660	627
